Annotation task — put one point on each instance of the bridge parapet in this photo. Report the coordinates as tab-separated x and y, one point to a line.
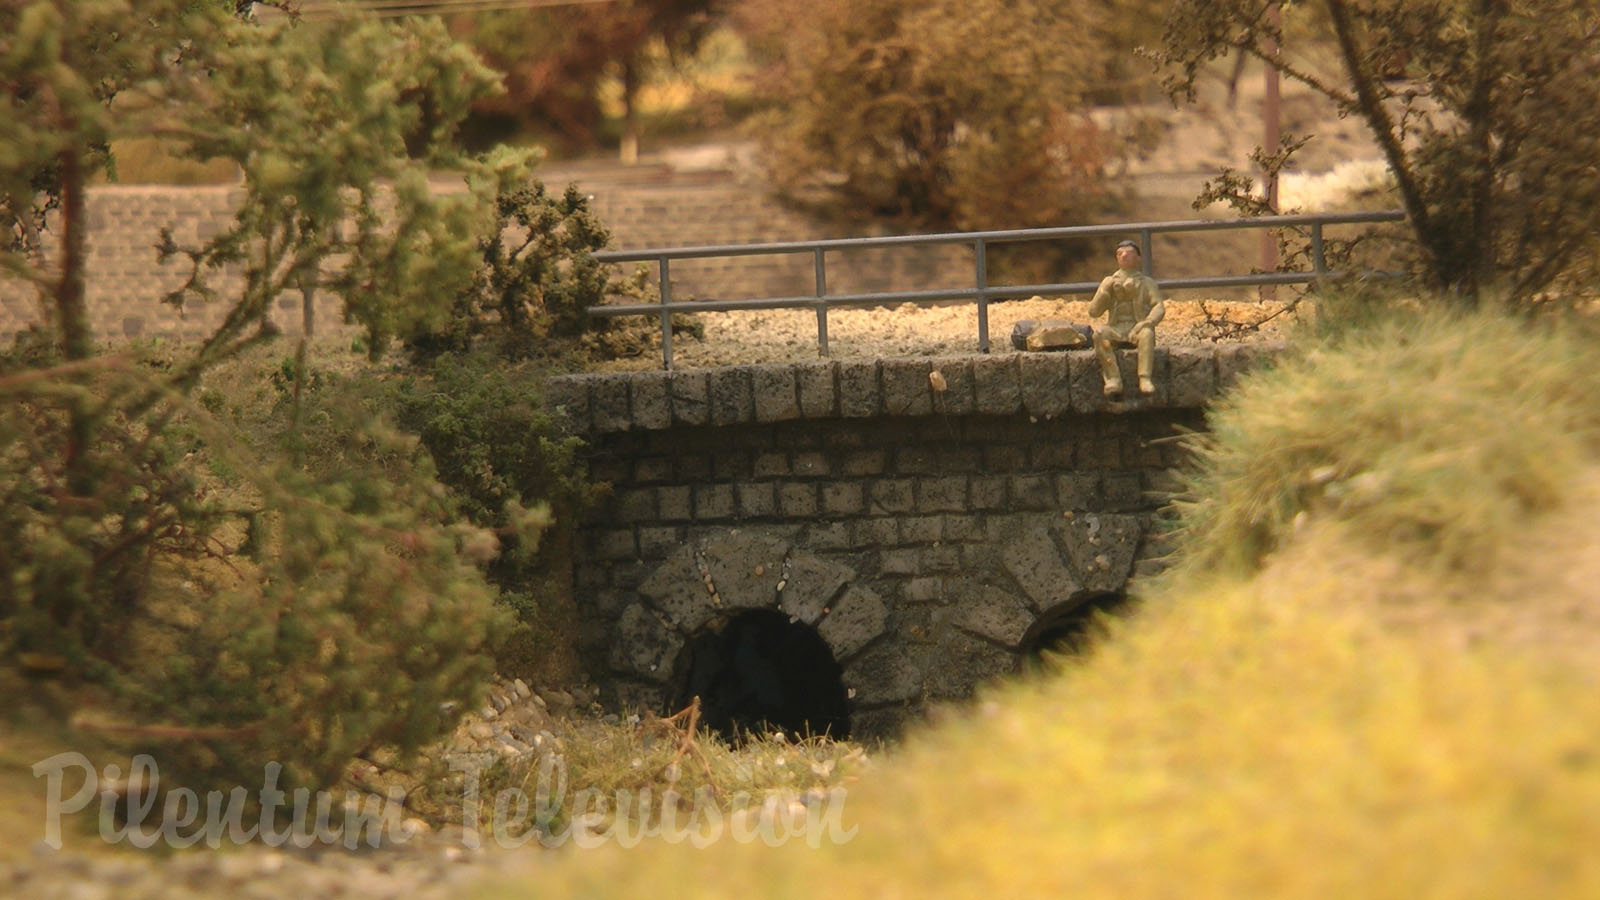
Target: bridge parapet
1040	385
931	539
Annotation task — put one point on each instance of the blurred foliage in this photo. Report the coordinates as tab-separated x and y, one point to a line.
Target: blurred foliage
511	469
536	276
303	588
1486	113
945	115
250	608
555	61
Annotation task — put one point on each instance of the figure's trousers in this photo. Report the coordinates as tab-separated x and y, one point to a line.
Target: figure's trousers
1106	342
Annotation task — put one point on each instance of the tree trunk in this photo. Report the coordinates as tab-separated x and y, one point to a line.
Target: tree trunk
72	309
630	114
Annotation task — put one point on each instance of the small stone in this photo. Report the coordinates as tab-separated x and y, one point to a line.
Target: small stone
521	687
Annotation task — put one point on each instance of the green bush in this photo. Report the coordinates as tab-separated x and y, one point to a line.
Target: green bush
292	613
511	469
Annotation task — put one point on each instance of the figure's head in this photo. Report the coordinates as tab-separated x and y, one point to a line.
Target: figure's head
1128	255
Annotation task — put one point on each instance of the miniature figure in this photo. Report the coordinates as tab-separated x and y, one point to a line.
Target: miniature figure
1135	307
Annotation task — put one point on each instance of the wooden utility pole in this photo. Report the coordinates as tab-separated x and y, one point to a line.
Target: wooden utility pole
1269	143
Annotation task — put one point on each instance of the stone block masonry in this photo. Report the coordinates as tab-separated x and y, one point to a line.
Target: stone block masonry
928	535
648	208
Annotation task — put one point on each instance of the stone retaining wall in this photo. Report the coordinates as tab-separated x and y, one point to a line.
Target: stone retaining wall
126	281
926	535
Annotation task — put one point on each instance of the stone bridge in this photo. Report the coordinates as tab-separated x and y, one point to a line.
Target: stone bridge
832	545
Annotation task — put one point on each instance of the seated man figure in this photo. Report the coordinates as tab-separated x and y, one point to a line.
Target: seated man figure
1135	306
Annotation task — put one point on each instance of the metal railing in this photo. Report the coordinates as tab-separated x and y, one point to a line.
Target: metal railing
982	292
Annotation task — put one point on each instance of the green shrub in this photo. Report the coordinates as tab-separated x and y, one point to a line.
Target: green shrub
300	616
512	470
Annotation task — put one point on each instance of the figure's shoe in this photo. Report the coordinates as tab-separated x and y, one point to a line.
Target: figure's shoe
1146	385
1113	387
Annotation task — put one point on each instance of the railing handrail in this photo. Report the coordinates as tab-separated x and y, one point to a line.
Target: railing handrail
981	291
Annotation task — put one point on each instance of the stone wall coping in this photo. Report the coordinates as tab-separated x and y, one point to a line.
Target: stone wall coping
1040	385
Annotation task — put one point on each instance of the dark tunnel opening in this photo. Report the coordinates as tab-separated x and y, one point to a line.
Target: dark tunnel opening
761	672
1069	630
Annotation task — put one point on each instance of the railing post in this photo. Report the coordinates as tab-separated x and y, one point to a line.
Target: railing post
981	257
822	302
1146	263
1319	262
666	315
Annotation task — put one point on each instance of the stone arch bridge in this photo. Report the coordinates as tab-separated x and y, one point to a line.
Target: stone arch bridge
841	539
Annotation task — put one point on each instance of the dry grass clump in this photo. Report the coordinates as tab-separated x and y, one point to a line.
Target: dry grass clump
1270	726
623	778
1436	436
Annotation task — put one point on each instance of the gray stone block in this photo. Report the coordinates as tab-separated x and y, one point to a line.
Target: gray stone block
921	529
658	541
906	390
853	621
616	544
1101	548
991	613
1077	490
1037	564
987	492
819	396
651	469
774	393
1191	376
713	502
826	536
609	398
677	589
1123	492
946	493
797	501
648	395
864	462
859	395
961	528
1088	387
957	399
997	385
884	675
898	562
1032	492
770	464
926	589
691	398
673	504
890	495
809	586
868	533
745	568
969	663
637	505
811	464
644	645
1046	384
842	498
731	400
756	500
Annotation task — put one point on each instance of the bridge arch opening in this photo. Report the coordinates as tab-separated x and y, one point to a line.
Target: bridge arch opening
1069	629
760	672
